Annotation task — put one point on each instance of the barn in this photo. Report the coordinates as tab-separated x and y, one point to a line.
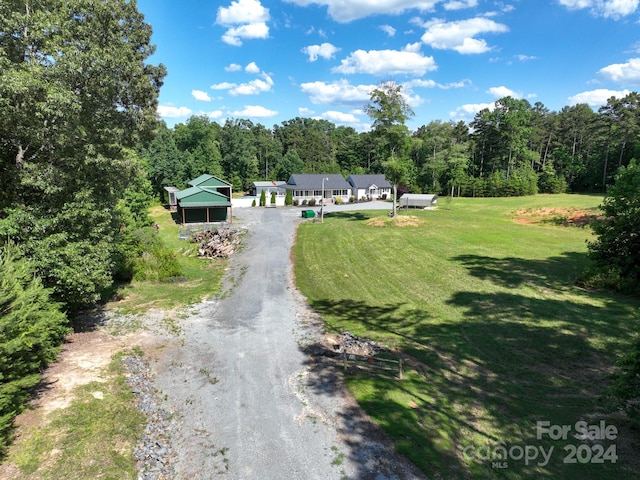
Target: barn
418	200
208	199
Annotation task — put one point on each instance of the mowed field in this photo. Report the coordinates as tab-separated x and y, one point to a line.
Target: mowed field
481	301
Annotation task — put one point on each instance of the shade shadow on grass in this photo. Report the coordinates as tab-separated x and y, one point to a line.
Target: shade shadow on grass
487	377
351	216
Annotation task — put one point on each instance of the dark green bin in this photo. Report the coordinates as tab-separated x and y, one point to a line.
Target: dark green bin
308	214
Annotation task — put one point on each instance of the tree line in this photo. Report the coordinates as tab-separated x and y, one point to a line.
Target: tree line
514	148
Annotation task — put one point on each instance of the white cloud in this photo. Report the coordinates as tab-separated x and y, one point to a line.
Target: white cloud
340	117
525	58
460	4
214	114
388	29
252	68
200	95
468	111
326	51
623	72
596	98
502	91
223	86
421	83
459	35
234	35
386	62
254	87
603	8
234	67
169	111
242	12
305	112
345	11
245	19
254	111
340	92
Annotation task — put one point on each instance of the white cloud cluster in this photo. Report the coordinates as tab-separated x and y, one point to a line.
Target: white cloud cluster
200	95
345	11
337	93
460	4
596	98
387	62
244	19
603	8
628	72
460	35
326	51
170	111
502	91
253	87
388	29
253	111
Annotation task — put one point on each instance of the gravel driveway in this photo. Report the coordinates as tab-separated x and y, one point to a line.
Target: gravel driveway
249	399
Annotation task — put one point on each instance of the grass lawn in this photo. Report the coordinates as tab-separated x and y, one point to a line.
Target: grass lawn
201	277
480	299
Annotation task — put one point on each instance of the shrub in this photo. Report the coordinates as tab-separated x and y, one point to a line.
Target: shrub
338	201
253	204
273	198
288	198
296	202
624	390
304	202
352	199
312	202
32	326
263	199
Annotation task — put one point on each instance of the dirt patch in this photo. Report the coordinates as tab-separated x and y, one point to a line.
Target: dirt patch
399	221
565	217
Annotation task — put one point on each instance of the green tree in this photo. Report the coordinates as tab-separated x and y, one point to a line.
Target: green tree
263	198
395	170
616	251
76	91
288	198
389	111
32	327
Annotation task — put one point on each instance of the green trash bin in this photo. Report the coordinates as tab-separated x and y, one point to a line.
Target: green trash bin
308	214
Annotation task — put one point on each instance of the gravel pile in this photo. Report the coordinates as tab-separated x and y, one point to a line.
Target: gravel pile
153	452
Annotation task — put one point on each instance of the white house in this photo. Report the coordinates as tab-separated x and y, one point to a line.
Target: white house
371	187
305	186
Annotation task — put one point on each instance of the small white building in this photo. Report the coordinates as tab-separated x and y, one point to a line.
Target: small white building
418	200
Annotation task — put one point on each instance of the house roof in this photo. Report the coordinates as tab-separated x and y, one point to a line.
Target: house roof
366	181
202	197
172	189
273	183
313	181
208	181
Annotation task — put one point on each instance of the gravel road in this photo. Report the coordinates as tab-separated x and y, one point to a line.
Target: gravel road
248	398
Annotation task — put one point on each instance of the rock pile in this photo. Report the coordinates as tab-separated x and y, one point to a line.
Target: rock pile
153	451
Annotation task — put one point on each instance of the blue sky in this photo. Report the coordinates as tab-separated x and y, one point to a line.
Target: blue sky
273	60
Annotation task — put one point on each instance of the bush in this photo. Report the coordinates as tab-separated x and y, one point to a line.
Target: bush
32	327
296	202
288	198
253	204
263	199
312	202
338	200
352	199
304	202
273	198
616	252
624	390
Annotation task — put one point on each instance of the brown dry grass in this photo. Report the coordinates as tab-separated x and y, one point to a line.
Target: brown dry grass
399	221
568	217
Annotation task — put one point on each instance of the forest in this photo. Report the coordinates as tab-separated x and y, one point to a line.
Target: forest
83	155
514	149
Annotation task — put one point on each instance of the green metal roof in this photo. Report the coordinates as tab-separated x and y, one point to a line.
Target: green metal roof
208	181
202	197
